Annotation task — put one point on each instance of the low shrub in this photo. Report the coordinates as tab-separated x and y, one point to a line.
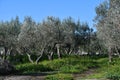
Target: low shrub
54	64
75	64
113	72
31	68
59	76
66	65
72	68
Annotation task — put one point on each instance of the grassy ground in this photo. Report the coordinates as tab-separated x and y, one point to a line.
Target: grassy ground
75	67
106	70
74	64
99	72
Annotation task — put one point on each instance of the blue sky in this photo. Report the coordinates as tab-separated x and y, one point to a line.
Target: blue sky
40	9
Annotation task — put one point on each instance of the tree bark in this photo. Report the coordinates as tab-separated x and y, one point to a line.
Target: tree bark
41	53
110	54
58	51
117	51
5	55
71	50
50	56
29	58
37	60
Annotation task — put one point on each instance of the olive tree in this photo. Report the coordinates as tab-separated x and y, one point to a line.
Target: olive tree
26	37
108	26
8	35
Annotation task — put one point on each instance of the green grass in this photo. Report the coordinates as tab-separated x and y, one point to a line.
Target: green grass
59	76
97	75
74	64
114	73
71	65
106	70
100	72
73	68
32	68
114	70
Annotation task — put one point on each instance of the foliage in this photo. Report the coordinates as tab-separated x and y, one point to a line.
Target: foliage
50	37
108	26
114	70
107	70
72	64
72	69
59	76
9	32
32	68
20	59
100	71
113	73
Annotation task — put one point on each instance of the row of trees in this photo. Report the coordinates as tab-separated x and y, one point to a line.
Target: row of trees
108	25
53	36
49	37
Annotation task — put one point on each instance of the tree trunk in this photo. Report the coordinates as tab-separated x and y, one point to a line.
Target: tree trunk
117	51
110	54
5	55
66	51
50	56
37	60
58	50
41	53
71	50
29	58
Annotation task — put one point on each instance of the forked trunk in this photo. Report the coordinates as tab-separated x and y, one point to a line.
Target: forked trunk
41	54
37	60
50	56
29	58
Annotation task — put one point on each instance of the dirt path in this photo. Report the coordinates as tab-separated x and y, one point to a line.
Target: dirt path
33	76
22	78
41	76
87	73
84	74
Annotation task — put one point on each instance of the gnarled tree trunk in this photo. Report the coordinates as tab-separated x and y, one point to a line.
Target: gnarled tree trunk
41	54
117	51
5	54
58	50
50	56
29	57
110	54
